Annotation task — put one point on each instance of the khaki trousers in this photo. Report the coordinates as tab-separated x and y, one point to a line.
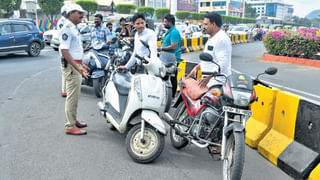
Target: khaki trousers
73	85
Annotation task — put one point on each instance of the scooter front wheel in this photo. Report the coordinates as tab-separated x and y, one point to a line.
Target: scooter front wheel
147	150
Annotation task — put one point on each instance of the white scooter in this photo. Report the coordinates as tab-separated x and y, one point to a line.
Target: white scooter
134	104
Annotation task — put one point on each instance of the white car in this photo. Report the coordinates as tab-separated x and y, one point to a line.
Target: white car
238	30
85	31
193	31
48	35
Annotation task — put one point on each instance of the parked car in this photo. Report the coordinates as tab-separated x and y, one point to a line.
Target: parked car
48	35
19	35
239	29
193	31
85	31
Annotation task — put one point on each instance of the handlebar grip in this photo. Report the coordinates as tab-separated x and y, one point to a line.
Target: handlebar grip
139	57
256	81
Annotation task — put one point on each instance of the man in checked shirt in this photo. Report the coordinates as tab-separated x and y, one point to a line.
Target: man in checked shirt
100	32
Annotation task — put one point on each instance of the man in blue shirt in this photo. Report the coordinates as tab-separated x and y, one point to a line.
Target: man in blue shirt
171	45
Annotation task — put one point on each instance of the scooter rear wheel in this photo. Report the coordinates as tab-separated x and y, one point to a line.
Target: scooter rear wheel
147	151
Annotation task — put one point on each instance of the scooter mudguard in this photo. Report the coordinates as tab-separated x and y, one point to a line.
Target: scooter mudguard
154	120
97	73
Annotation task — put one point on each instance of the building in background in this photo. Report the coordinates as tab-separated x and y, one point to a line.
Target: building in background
223	7
272	9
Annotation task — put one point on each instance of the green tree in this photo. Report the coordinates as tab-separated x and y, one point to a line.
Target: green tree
161	12
9	6
89	5
147	11
183	15
250	12
126	8
51	8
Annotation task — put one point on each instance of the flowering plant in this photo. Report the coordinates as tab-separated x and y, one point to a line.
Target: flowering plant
302	43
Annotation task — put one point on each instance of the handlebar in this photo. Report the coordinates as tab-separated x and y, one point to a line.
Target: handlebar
257	81
142	59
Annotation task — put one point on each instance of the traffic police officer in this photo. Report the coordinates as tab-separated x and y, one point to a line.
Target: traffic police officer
71	50
60	24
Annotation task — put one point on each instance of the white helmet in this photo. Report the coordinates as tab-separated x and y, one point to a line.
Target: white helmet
64	9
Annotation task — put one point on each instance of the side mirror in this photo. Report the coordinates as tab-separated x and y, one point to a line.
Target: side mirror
145	44
271	71
205	57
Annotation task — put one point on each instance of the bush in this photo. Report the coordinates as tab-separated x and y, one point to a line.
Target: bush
303	43
89	5
125	8
183	15
161	12
146	11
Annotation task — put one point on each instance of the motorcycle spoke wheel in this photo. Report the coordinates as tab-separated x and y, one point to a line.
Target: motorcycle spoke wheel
181	115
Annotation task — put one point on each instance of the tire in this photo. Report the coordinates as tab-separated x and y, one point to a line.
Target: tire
34	49
98	85
176	140
148	151
235	154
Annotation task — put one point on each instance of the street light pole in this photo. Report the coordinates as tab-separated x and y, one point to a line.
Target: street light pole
36	13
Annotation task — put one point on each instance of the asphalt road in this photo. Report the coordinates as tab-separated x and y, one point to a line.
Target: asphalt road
33	144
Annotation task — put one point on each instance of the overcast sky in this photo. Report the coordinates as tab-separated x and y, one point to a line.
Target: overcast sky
303	7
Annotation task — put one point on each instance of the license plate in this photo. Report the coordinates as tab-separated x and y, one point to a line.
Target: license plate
237	111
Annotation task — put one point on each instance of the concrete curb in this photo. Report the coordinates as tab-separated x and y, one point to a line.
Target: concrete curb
292	60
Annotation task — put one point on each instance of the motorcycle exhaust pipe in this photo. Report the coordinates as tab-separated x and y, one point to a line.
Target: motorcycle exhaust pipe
198	144
172	123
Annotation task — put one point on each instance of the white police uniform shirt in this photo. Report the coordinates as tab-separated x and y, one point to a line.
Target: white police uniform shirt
61	22
70	40
219	47
148	36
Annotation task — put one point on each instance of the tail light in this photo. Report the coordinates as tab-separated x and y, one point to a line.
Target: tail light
41	34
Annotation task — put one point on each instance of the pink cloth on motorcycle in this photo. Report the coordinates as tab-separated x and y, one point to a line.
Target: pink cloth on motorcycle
193	88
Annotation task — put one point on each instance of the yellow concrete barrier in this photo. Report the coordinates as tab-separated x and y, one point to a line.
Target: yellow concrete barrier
237	39
185	44
263	110
315	174
283	127
194	44
201	44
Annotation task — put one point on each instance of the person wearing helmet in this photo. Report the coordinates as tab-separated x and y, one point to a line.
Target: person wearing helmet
60	24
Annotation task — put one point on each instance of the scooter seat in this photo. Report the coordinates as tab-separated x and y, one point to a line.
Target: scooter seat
122	82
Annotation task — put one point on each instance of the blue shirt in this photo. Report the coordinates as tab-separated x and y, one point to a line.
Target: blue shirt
100	33
171	36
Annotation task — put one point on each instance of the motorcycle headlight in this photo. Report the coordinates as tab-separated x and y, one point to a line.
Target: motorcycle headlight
137	88
241	97
162	71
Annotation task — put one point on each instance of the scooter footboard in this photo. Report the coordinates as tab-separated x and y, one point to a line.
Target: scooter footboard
154	120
